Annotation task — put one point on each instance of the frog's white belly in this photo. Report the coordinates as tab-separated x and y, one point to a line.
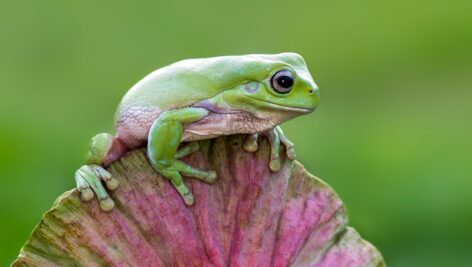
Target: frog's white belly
133	125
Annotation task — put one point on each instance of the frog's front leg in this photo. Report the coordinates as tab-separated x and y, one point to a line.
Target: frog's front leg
163	142
275	136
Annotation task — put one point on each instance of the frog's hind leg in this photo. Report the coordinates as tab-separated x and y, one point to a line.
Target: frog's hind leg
163	142
88	179
103	149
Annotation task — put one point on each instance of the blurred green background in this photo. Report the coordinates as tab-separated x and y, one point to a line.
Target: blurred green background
392	134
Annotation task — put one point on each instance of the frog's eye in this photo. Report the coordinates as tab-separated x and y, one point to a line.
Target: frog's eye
282	81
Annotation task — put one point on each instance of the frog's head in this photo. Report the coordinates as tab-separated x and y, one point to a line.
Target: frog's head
275	85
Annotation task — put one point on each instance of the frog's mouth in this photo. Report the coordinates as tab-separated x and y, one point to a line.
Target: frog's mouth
270	105
283	107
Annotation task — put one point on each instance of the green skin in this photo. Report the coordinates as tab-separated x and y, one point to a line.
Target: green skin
198	99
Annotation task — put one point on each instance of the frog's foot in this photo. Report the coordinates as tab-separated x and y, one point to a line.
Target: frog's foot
89	183
275	136
103	149
289	147
174	173
180	168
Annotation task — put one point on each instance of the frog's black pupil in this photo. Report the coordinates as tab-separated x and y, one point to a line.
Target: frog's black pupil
285	81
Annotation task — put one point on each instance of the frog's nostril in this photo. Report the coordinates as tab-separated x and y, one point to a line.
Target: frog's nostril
310	91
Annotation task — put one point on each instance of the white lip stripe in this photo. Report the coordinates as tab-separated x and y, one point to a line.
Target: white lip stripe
302	110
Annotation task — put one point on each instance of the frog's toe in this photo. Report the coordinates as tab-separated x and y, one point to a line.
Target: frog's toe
274	165
187	150
250	145
112	184
86	194
107	204
211	177
274	140
289	147
105	176
291	155
176	179
189	200
205	176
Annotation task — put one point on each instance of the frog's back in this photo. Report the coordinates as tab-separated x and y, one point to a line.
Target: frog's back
180	85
